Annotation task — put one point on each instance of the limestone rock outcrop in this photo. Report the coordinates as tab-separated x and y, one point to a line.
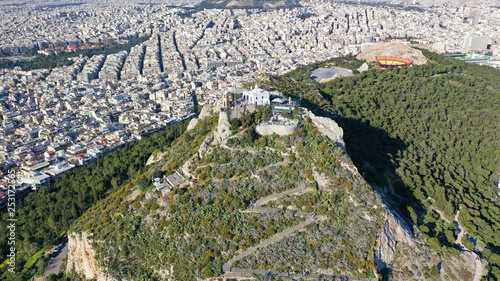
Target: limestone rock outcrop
394	231
192	124
153	158
327	127
393	48
204	150
82	257
223	130
210	109
205	146
207	110
185	168
363	67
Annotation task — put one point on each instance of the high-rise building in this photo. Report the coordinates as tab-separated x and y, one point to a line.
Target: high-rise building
476	15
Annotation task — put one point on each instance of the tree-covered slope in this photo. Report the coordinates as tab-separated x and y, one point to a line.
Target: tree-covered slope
430	133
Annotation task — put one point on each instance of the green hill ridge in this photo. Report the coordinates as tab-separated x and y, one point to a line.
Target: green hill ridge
213	216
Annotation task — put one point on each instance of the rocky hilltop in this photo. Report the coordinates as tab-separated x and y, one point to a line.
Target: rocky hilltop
232	203
395	49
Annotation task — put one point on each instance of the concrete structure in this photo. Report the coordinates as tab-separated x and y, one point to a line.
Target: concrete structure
277	125
35	179
388	61
58	169
476	43
257	96
75	149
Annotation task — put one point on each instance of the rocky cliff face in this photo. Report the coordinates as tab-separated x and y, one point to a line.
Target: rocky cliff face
207	110
204	150
394	231
223	129
153	158
82	257
192	124
327	127
392	49
205	146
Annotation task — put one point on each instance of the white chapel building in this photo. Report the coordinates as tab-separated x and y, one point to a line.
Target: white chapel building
257	96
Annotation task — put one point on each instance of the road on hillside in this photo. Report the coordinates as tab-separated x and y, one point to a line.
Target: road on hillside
56	262
479	264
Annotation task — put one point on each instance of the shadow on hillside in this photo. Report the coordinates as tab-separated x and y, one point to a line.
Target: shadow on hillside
372	151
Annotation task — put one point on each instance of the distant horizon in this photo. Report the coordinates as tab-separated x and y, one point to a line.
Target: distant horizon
191	2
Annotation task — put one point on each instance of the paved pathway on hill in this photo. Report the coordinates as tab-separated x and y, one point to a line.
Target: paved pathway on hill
254	150
441	215
280	163
235	148
479	264
254	208
55	263
298	190
276	210
302	188
227	266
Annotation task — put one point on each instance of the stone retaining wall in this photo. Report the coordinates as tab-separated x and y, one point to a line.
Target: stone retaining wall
280	129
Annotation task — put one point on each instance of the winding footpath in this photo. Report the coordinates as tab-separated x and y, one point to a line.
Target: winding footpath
296	191
255	207
253	150
280	163
276	210
479	265
442	216
227	266
240	272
